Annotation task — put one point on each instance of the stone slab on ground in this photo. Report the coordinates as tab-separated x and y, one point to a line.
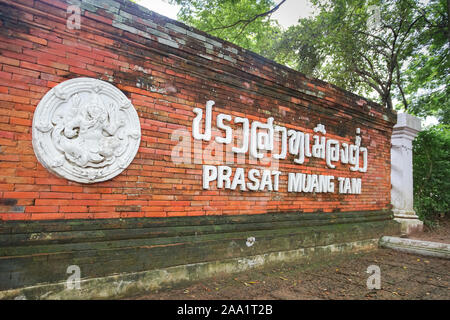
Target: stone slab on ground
420	247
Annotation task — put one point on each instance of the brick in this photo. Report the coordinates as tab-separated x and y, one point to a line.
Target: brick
73	209
20	71
57	3
5	75
55	195
45	209
18	195
47	216
78	215
32	38
20	121
37	67
87	196
66	189
53	64
90	15
10	61
29	3
83	72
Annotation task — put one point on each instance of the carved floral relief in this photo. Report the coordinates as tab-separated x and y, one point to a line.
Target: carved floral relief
85	130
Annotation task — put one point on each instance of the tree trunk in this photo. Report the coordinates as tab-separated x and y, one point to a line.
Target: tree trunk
448	20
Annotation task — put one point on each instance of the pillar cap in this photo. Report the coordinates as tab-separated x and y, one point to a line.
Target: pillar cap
405	120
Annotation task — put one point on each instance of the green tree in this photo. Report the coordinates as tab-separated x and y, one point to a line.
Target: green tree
300	47
362	46
428	73
431	169
246	23
403	58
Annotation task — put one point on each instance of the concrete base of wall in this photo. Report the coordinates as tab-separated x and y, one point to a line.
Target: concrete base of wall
410	223
130	284
123	257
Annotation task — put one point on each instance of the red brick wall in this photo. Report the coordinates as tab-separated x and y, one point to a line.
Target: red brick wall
166	69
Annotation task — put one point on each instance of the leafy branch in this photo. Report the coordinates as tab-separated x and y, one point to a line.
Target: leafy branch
246	22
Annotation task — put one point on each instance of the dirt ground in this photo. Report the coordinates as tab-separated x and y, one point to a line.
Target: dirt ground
440	232
403	276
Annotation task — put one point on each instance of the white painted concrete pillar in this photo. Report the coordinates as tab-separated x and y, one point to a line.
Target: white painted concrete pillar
405	131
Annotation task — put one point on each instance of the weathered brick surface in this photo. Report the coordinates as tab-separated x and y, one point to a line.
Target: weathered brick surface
166	69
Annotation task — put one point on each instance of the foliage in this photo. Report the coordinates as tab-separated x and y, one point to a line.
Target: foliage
359	50
431	169
246	23
404	58
428	73
300	47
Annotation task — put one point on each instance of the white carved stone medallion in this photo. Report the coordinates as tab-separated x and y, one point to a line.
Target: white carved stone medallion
85	130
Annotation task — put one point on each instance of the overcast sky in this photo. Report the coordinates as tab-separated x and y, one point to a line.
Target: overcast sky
287	15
